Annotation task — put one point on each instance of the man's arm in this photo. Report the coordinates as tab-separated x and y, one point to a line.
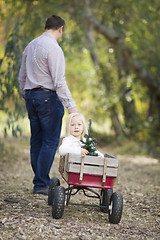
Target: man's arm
56	63
72	110
22	74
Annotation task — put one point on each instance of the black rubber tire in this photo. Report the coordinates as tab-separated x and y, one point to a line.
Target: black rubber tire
115	213
58	202
105	198
53	183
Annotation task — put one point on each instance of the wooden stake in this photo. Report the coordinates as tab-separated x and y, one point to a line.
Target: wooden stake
104	171
81	170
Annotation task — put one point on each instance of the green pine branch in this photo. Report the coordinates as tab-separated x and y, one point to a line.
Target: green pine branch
89	143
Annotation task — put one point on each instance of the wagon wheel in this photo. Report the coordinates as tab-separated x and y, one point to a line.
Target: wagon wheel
58	202
115	208
53	183
105	198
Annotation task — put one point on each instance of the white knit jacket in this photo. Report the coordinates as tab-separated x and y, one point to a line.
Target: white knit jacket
71	144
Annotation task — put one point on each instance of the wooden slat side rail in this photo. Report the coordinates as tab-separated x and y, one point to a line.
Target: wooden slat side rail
65	174
93	170
74	158
61	164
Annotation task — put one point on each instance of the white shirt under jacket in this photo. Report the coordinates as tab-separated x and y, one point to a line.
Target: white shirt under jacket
71	144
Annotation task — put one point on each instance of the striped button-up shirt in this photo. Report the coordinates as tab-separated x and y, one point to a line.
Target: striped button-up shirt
43	65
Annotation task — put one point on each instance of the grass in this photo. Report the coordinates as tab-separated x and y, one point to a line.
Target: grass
121	145
23	124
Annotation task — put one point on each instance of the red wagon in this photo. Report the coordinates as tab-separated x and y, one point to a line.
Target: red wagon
87	173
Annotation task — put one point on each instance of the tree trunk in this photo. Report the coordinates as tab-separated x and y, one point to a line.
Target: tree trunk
101	73
115	122
128	104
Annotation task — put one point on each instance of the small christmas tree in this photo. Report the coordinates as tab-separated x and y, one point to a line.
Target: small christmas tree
89	143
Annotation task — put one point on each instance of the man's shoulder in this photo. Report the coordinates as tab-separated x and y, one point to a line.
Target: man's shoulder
48	42
45	42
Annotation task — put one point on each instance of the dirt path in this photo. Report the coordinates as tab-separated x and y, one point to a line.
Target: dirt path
27	216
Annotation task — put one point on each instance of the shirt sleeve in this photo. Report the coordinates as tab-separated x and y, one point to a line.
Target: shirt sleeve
56	64
67	147
22	73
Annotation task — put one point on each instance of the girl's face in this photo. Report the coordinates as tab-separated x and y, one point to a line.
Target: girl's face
76	127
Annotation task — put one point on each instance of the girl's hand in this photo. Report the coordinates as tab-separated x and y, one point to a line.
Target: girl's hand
84	151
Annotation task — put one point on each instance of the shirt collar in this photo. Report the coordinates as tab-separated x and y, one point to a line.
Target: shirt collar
48	35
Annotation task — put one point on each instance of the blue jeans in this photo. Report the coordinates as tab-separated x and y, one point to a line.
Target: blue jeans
45	112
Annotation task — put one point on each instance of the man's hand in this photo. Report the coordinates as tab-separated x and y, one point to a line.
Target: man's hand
84	151
73	110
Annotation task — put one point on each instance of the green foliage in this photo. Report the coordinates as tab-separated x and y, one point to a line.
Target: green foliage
9	87
11	60
13	125
89	143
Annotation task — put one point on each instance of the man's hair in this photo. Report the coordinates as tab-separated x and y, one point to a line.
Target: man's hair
54	22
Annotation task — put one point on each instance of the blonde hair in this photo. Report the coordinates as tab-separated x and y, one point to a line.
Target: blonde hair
68	123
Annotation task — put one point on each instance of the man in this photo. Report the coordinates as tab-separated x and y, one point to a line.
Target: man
44	88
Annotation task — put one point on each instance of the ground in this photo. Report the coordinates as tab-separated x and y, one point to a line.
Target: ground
24	215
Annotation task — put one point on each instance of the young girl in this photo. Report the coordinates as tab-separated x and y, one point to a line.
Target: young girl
75	130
